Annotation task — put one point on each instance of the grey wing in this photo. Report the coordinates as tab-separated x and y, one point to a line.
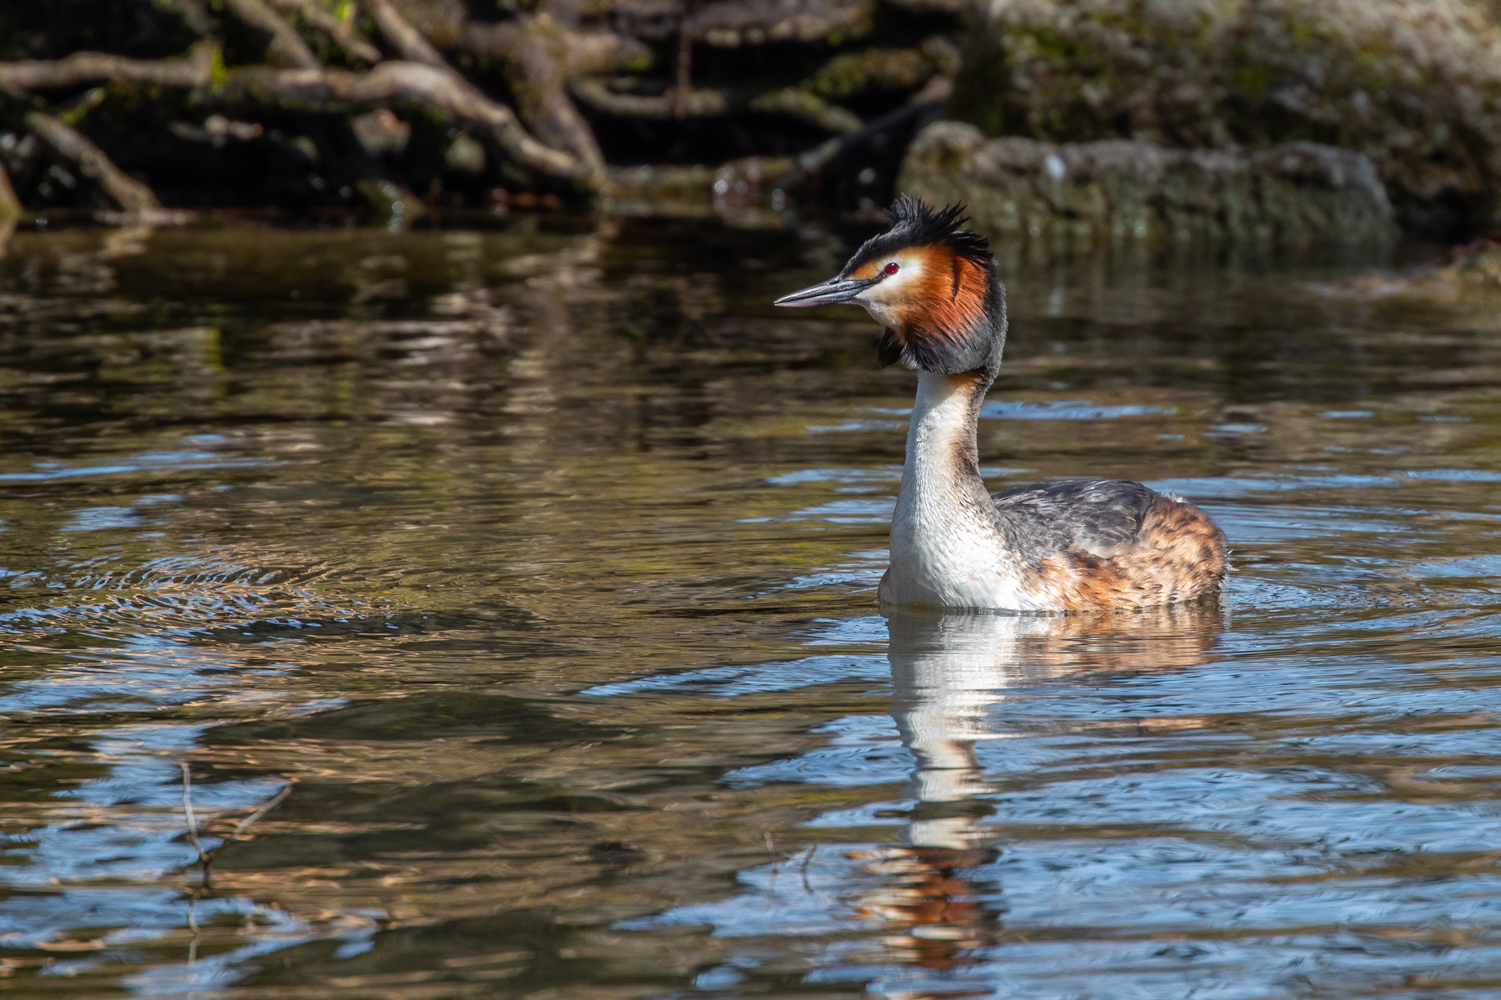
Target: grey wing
1097	517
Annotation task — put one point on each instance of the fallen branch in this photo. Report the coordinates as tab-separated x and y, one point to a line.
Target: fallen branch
698	103
733	23
791	101
535	79
286	47
335	28
91	67
395	82
127	192
538	57
798	103
314	89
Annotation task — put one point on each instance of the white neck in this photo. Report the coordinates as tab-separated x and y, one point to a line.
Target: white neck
942	428
946	546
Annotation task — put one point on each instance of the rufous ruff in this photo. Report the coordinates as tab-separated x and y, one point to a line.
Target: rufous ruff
1086	545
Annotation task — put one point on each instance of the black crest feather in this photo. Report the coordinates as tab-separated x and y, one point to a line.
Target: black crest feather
923	225
915	223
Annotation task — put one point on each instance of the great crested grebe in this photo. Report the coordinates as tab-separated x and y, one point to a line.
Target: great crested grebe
1089	545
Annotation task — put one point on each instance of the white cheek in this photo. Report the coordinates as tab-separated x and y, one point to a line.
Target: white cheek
881	299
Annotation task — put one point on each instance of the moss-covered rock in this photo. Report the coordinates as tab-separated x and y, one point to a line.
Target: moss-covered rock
1415	85
1075	195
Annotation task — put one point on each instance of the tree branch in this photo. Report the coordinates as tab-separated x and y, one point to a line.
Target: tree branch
338	30
791	101
10	207
286	47
534	76
699	103
535	54
314	89
733	23
799	103
89	67
394	82
127	192
405	39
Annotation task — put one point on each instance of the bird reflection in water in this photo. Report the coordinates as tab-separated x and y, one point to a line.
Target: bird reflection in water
950	672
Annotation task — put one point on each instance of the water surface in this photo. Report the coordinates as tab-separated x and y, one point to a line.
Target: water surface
527	575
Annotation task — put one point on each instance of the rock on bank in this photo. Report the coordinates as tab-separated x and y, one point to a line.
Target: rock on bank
1098	193
1415	85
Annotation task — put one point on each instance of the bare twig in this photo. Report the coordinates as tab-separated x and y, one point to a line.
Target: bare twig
88	67
255	817
394	82
335	28
127	192
193	926
808	860
206	858
286	47
187	808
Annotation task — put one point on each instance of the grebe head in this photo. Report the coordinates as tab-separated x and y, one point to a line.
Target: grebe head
932	283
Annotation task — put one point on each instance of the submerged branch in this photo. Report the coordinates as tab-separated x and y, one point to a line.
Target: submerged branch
127	192
187	808
206	857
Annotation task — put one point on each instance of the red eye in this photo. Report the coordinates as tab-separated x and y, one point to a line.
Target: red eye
892	268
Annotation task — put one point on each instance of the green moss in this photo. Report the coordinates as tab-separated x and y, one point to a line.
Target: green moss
871	69
217	72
